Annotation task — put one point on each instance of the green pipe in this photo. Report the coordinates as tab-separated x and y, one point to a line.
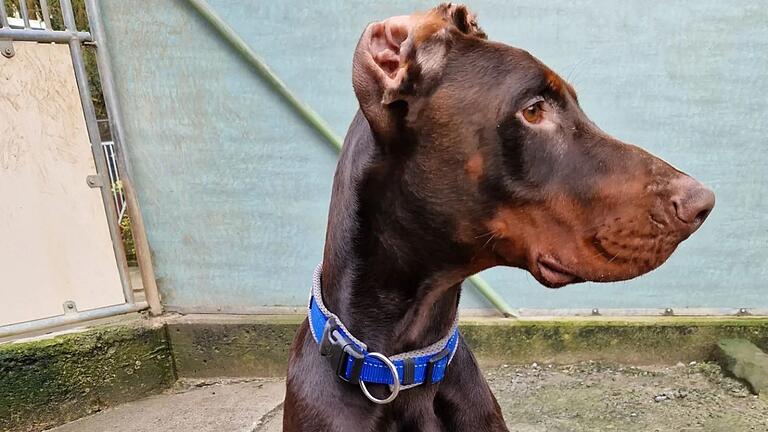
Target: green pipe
491	295
310	116
266	73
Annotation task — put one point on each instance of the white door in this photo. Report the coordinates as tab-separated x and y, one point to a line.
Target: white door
55	244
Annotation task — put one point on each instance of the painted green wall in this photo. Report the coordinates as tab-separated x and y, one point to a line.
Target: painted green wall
234	188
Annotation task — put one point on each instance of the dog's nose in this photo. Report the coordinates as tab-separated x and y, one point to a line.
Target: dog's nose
692	202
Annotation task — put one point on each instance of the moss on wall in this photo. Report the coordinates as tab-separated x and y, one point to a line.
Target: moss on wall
210	349
259	347
648	341
47	382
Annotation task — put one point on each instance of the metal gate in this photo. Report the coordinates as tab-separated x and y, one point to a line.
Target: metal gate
62	258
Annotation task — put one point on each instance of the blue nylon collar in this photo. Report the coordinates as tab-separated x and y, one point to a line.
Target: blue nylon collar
417	367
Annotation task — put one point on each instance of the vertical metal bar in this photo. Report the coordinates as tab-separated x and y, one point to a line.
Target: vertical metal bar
24	12
46	14
98	151
68	15
3	15
143	254
109	151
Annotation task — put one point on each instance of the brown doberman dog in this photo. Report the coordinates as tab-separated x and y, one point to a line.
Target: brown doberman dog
467	154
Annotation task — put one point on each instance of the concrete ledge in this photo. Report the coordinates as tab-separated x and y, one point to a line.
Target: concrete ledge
745	361
207	346
49	381
639	341
45	382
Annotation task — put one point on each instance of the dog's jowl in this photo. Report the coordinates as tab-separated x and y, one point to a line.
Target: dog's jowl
465	154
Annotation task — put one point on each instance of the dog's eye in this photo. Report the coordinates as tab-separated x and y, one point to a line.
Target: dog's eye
534	113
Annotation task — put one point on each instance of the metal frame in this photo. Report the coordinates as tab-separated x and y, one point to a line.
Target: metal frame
27	35
3	17
48	35
74	38
92	126
69	318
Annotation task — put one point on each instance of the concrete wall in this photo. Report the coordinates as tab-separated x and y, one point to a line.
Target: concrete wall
234	188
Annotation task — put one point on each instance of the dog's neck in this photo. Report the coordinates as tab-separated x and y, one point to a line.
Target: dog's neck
389	273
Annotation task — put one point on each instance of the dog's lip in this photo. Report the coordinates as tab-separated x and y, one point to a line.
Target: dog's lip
554	274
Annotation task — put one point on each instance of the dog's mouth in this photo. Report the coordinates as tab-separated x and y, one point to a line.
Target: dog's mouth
552	274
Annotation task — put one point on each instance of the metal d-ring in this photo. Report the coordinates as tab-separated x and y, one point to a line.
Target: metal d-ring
394	388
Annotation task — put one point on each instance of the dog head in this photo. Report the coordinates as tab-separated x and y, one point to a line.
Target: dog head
495	143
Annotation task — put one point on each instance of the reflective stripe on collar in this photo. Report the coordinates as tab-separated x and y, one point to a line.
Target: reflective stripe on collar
427	365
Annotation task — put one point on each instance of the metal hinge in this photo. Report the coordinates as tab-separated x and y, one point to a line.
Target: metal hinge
69	307
95	181
6	48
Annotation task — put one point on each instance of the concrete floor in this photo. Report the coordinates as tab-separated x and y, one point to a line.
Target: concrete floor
237	406
585	397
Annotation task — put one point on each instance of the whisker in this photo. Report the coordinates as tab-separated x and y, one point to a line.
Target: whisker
488	241
596	255
493	235
485	234
571	75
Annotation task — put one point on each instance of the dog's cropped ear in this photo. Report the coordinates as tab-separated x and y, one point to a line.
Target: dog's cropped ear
401	59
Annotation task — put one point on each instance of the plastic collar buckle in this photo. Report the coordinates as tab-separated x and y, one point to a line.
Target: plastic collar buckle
430	370
338	350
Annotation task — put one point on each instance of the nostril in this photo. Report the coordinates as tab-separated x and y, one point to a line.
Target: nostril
692	202
701	217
